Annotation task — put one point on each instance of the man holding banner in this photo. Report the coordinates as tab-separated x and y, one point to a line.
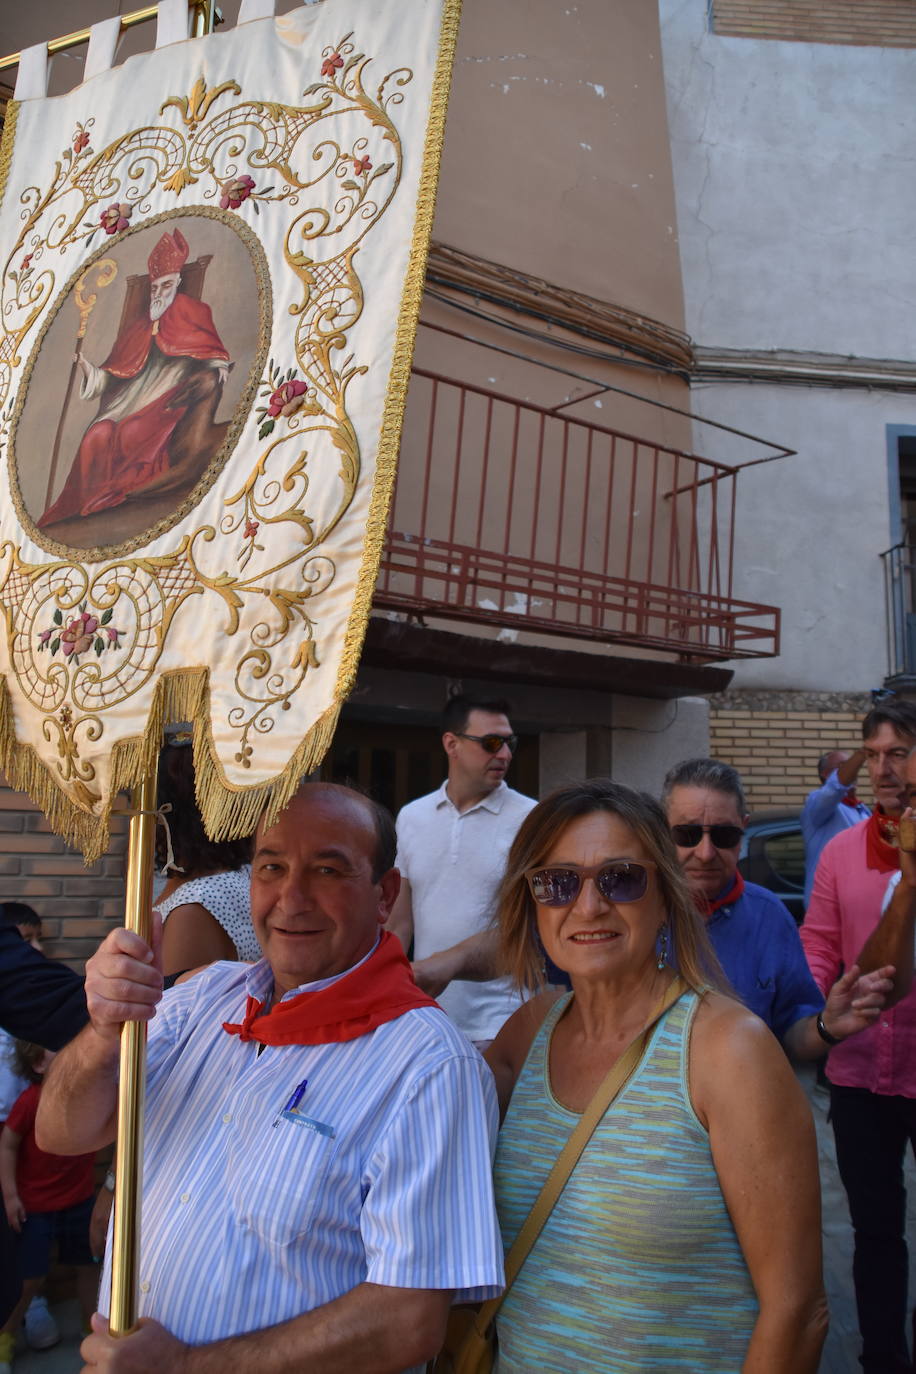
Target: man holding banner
317	1175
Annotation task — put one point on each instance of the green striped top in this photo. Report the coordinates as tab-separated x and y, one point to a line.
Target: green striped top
638	1267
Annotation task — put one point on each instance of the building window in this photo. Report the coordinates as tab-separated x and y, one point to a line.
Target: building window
879	23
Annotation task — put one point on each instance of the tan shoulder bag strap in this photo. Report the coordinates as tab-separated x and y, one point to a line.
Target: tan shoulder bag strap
566	1161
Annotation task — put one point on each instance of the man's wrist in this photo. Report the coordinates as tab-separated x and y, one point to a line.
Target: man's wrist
827	1037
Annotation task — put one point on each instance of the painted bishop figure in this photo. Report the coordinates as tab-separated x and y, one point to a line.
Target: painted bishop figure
159	390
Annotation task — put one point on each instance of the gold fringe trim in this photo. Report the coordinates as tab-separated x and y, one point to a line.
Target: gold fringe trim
6	143
405	337
229	811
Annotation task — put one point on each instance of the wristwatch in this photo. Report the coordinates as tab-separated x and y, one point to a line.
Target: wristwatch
824	1033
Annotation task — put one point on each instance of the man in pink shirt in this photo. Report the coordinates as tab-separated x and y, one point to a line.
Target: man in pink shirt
872	1075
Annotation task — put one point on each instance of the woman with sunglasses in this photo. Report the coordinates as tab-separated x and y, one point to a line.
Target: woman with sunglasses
688	1234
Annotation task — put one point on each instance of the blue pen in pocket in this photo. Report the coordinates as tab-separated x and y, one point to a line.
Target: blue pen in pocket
295	1098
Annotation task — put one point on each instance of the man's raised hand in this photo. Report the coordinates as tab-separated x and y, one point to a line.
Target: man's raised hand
123	980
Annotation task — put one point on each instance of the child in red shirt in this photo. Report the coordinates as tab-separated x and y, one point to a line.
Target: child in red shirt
46	1197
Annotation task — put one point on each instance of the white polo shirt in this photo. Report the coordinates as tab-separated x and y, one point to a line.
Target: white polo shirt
454	861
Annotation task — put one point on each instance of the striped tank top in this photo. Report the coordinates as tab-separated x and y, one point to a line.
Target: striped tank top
638	1266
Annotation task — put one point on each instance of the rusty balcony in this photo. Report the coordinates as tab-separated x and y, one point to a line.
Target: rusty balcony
509	515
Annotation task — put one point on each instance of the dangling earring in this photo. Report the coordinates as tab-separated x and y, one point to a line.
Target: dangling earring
661	946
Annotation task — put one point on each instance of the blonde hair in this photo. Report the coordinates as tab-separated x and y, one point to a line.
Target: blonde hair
691	950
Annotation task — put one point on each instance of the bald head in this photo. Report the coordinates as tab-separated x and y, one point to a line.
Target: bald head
322	883
356	811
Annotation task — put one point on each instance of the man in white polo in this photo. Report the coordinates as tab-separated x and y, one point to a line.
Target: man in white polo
452	848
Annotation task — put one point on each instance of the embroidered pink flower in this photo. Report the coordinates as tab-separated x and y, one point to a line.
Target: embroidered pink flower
24	265
251	529
80	139
113	635
361	165
45	636
331	64
116	218
235	190
79	634
287	398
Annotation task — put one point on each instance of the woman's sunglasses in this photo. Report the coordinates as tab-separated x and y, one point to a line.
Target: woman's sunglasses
722	836
620	880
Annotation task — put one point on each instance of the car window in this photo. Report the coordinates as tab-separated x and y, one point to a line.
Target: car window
786	856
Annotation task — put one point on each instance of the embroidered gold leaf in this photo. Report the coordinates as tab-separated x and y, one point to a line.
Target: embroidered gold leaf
180	179
194	107
306	656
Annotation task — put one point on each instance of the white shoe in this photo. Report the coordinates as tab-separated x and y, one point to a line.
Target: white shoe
41	1330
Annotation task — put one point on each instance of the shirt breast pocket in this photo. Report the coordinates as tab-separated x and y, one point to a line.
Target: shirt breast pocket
277	1177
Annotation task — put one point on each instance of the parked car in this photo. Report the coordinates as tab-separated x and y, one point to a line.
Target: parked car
773	855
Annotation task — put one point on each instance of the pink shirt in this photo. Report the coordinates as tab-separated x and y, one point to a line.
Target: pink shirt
845	907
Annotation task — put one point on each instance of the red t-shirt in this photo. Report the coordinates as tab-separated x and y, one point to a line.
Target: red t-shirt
46	1183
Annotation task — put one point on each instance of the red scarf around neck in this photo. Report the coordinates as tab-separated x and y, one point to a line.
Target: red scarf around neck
379	990
880	852
707	905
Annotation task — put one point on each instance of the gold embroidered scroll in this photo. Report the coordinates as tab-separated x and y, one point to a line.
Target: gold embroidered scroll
212	260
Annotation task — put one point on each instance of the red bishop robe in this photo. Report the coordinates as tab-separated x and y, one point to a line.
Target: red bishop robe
120	456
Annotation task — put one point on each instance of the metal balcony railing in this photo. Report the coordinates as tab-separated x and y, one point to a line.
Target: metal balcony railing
900	604
508	514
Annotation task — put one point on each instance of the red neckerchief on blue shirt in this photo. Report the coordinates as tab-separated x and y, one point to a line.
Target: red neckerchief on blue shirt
379	989
707	905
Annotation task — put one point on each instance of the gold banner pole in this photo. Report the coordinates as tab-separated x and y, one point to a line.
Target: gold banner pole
132	1085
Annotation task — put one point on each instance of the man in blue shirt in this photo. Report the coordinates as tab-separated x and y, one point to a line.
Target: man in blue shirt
832	807
753	934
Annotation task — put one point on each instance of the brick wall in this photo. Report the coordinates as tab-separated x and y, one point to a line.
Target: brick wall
77	905
867	23
776	751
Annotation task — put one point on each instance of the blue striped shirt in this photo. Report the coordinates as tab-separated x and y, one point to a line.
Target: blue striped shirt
381	1175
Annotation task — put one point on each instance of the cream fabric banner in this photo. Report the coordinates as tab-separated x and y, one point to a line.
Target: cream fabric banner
212	261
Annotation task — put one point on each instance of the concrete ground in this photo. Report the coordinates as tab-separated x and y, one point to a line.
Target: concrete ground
842	1348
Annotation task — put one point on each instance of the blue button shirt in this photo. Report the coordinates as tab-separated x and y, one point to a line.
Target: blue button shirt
759	948
824	815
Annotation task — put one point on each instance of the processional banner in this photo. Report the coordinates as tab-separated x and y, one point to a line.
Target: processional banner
212	262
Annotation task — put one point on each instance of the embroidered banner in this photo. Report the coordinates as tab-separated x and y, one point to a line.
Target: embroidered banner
212	262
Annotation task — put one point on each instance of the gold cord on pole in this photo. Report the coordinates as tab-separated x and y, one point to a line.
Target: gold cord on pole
132	1084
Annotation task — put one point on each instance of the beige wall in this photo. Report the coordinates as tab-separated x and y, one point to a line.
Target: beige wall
556	156
776	752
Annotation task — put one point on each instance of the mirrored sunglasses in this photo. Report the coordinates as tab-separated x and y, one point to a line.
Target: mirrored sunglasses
620	880
722	836
491	743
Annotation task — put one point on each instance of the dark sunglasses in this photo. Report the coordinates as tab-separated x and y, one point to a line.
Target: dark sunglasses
491	743
620	880
722	836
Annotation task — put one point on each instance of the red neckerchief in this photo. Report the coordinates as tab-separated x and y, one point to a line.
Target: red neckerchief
378	990
880	851
851	799
707	905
